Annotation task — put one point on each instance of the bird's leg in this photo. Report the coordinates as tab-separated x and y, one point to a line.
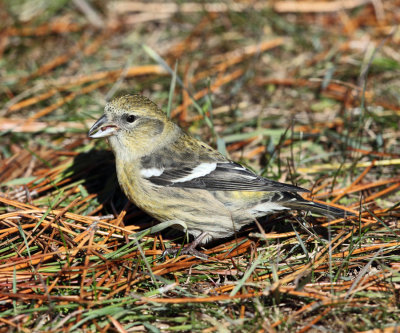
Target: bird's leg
189	249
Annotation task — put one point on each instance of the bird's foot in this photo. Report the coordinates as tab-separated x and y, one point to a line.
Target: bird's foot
188	249
185	250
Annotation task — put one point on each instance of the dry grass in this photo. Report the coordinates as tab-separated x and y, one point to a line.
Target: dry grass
305	94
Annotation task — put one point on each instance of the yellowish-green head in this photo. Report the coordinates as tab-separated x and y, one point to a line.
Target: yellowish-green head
133	124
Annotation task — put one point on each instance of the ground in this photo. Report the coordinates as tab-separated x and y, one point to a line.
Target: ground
306	93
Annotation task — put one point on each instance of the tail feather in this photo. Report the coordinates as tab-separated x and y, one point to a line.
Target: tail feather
318	208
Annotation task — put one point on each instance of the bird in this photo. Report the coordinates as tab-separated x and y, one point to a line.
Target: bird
173	176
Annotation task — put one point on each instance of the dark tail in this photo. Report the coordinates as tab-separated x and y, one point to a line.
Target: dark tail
318	208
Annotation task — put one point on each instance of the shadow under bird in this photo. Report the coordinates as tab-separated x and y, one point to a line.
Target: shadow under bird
173	176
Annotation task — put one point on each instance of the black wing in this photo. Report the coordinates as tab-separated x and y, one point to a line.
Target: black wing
214	176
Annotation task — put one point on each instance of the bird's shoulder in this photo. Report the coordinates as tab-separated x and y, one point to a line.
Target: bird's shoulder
190	163
188	147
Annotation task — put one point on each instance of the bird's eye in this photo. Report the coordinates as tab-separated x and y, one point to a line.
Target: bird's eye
131	118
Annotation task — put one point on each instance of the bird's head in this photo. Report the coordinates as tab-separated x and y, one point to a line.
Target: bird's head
133	124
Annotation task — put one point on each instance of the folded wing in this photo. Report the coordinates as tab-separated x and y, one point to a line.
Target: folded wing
213	176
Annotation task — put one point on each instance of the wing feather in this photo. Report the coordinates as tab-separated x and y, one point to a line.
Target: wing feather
216	176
